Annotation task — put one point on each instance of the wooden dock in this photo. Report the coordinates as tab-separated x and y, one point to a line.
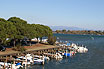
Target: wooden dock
36	52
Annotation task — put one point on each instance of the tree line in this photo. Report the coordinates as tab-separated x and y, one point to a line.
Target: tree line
14	29
80	32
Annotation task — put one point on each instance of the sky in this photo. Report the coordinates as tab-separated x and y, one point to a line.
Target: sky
88	14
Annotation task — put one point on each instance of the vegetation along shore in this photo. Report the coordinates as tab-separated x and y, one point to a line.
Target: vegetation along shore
16	33
84	32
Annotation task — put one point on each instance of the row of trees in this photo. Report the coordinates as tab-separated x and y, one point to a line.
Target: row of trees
80	32
14	29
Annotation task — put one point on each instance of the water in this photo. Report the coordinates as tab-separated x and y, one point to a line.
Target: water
93	59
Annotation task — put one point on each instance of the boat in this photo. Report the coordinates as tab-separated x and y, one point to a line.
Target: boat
44	57
58	56
8	65
38	60
67	54
29	58
85	49
74	46
79	49
18	65
2	64
82	49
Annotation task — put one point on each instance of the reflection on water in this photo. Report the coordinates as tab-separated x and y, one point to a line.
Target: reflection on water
94	59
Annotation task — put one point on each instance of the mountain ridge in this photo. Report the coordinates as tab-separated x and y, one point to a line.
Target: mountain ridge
54	28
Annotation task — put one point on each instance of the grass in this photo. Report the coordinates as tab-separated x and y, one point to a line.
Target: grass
28	48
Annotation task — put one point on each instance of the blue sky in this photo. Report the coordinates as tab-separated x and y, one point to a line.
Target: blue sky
75	13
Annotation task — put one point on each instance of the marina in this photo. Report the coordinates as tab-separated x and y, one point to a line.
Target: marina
25	59
51	34
93	59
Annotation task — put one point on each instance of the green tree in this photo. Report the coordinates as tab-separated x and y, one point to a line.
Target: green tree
31	33
3	34
15	29
51	40
20	28
42	31
63	30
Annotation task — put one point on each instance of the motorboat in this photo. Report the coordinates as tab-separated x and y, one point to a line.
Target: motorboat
29	58
85	49
82	49
44	57
58	56
38	60
67	54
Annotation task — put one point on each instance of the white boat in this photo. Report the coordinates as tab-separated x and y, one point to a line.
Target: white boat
38	60
44	57
29	58
58	56
8	65
85	49
2	63
79	49
74	46
82	49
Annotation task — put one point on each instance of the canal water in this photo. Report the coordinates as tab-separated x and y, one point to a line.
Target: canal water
93	59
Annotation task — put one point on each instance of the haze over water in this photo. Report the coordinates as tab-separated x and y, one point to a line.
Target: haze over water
93	59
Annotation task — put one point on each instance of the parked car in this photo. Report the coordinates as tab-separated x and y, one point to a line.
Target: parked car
2	48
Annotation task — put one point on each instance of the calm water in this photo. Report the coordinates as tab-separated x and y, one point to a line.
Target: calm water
94	59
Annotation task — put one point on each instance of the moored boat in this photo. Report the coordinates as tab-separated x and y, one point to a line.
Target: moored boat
38	60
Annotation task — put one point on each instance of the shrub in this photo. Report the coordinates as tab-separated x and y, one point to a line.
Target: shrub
51	40
19	48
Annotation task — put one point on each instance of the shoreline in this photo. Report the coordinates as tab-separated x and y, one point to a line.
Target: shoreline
80	32
34	47
77	34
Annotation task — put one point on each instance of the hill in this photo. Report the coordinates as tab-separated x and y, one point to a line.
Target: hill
54	28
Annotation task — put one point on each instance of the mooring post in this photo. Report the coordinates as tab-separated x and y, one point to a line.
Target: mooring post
4	65
66	53
6	59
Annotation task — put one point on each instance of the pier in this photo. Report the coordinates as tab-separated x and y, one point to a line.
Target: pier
42	52
38	52
35	52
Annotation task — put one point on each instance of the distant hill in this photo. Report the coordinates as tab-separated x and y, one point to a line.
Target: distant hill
54	28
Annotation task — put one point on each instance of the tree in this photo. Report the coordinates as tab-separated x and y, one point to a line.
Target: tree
51	40
42	31
14	29
3	34
63	30
68	31
7	30
31	33
20	28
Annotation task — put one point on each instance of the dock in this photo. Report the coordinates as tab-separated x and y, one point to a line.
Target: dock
35	52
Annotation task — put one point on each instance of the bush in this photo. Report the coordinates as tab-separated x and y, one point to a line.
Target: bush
51	40
19	48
